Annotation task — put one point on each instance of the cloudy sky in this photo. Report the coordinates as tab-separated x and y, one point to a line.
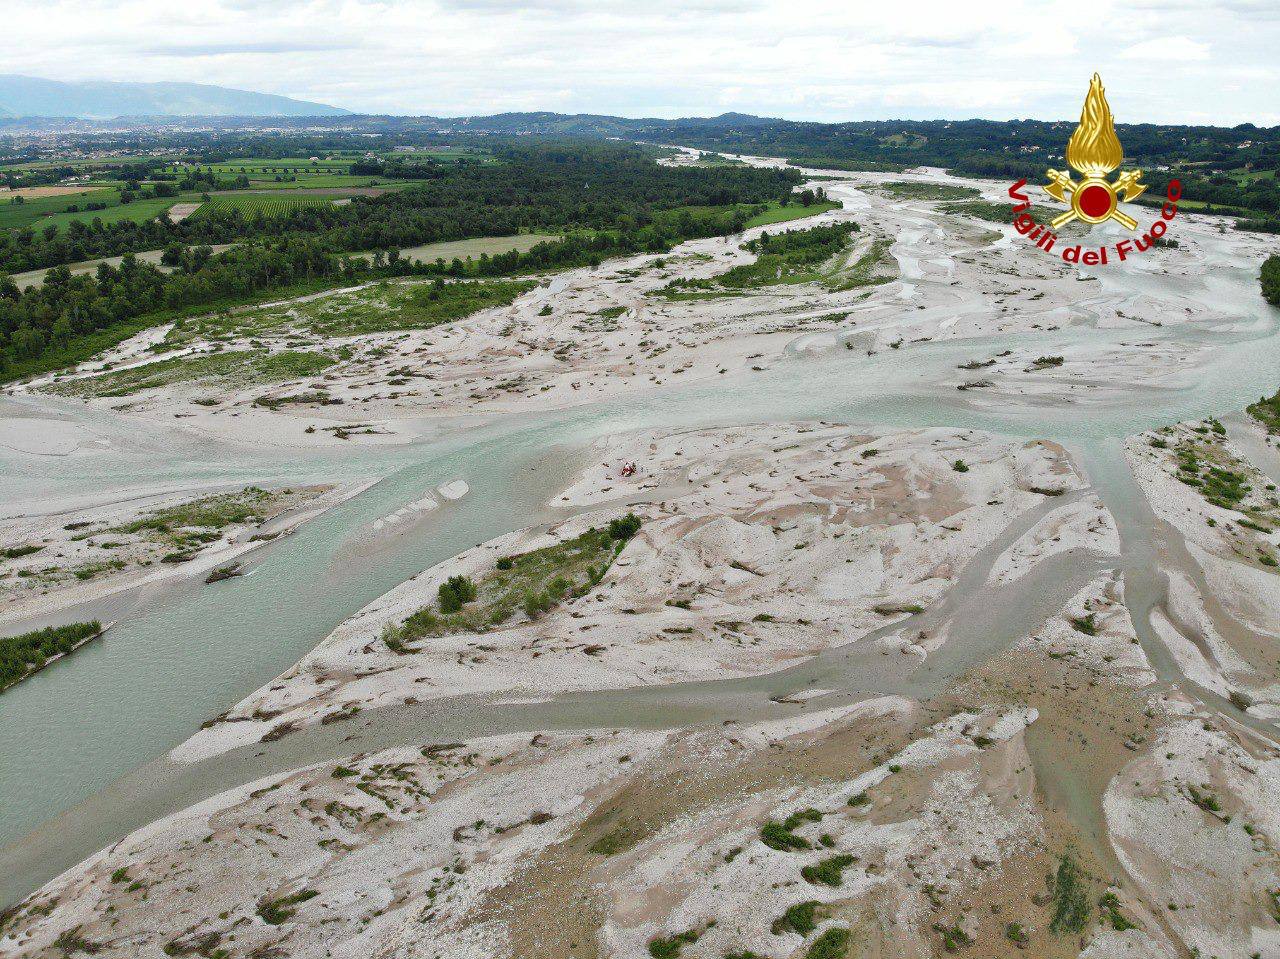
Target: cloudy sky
1161	60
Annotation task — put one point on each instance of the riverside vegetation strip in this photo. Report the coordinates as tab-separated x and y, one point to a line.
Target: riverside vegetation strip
26	654
532	582
220	358
1267	412
797	256
100	547
380	307
232	367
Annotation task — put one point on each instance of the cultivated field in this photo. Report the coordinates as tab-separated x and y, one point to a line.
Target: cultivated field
14	216
266	204
30	192
41	212
470	249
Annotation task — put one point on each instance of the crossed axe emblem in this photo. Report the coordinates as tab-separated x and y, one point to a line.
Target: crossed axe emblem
1094	199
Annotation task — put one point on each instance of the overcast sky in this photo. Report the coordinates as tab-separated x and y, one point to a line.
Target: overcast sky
1167	61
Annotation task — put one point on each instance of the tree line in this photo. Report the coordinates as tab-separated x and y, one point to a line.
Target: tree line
1208	160
552	186
1270	279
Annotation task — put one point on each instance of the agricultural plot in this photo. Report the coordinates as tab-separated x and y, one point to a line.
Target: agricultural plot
267	204
323	172
447	155
32	192
264	166
41	212
324	181
83	165
15	215
450	250
138	210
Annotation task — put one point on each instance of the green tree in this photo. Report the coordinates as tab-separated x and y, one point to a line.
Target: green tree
624	527
1270	278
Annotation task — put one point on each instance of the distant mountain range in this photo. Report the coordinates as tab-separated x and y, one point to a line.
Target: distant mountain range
103	100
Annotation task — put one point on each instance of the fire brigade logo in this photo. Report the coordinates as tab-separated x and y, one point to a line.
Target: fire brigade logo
1094	151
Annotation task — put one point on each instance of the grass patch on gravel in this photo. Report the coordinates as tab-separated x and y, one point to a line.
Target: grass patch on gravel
802	918
1267	412
231	369
532	582
832	944
797	256
911	190
782	835
278	911
209	514
406	306
1070	899
864	272
829	871
379	308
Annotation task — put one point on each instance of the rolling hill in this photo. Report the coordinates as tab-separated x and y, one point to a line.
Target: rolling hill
22	96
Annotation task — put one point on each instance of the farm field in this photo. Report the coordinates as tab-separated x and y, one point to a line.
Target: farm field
40	212
249	204
85	163
777	213
326	181
32	192
470	249
145	209
449	155
14	216
265	165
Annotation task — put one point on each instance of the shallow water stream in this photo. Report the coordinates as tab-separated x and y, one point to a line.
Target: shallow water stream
178	657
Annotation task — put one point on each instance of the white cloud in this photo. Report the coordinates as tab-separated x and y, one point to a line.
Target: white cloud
1173	50
806	59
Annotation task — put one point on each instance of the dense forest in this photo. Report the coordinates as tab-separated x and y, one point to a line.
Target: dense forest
609	200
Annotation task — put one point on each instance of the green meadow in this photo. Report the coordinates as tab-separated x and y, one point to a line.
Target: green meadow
38	213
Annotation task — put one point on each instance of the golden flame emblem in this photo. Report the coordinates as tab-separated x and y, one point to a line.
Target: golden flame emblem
1094	151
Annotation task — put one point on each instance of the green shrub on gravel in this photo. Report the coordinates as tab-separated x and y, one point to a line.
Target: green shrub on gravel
802	918
832	944
532	582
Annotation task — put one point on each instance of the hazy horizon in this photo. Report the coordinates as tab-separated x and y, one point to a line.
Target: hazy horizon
1178	62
